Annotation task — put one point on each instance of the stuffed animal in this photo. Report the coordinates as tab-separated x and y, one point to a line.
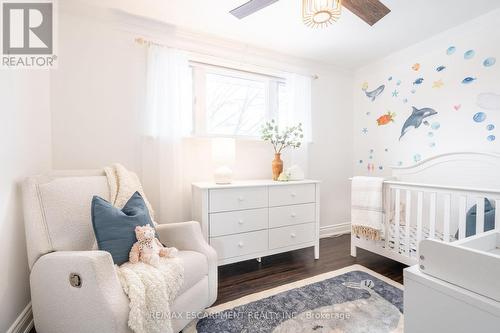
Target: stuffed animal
148	248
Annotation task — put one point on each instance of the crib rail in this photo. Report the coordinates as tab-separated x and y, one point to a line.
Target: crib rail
432	211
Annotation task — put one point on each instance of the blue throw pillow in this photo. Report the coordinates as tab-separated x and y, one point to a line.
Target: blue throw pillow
114	228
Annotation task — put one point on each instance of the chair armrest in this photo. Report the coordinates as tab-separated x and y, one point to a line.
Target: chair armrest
60	307
187	236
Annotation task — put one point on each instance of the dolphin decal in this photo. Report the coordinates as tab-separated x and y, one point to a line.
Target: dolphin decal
416	118
374	93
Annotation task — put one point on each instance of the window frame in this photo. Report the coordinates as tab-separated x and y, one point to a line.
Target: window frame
200	71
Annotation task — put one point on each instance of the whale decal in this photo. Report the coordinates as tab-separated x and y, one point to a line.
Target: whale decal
416	118
374	93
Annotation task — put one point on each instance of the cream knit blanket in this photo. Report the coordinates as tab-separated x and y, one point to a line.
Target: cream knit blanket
151	292
122	184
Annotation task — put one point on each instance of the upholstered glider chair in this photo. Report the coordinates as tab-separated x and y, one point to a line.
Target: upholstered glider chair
75	288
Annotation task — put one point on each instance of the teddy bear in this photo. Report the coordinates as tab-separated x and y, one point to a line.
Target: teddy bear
148	248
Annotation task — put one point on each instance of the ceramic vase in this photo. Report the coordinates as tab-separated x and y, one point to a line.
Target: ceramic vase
277	166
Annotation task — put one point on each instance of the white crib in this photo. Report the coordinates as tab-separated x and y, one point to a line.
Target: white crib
433	197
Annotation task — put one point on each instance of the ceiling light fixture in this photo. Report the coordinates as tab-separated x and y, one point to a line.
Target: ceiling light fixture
320	13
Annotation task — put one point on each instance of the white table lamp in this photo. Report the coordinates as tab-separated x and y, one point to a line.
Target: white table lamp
223	155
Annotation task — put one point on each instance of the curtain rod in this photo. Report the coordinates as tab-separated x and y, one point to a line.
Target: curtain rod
142	41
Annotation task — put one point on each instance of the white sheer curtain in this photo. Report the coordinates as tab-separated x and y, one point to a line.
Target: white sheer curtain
167	118
298	110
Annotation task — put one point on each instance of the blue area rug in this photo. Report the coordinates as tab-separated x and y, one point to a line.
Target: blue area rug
353	299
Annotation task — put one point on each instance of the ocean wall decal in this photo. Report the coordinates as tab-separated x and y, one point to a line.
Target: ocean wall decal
418	81
479	117
469	54
374	93
488	62
448	100
386	118
469	80
416	118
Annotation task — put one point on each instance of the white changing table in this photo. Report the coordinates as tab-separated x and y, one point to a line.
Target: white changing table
433	305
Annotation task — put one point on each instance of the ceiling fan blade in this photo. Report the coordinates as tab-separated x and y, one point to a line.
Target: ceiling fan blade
370	11
251	7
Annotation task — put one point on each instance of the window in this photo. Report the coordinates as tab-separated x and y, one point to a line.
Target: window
229	102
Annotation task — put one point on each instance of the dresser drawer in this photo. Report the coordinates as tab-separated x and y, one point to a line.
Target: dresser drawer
289	215
291	194
240	244
291	235
238	198
239	221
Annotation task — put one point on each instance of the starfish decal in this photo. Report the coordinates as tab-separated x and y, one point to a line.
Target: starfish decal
395	93
437	84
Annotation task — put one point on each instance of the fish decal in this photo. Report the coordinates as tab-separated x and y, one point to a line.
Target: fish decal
374	93
416	119
469	54
468	80
416	67
451	50
440	68
418	81
386	118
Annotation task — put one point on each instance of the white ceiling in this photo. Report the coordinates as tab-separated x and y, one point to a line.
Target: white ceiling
349	43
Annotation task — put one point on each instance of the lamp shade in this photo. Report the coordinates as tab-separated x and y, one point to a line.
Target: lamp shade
223	157
223	151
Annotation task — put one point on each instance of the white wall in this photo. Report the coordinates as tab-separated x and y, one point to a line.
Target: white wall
25	147
98	94
454	102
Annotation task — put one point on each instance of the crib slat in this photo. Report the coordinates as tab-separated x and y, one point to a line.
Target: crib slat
397	205
387	206
446	215
480	216
497	214
462	215
420	208
407	221
432	215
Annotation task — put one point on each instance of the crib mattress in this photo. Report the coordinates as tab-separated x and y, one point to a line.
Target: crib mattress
402	249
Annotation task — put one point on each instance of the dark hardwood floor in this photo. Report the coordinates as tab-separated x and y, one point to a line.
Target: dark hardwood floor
247	277
243	278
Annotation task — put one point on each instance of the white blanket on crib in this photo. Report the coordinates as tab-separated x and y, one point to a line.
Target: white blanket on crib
367	207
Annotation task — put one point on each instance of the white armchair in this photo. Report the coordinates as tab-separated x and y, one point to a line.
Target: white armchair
75	288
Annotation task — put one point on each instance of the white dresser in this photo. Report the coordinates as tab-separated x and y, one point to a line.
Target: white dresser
253	219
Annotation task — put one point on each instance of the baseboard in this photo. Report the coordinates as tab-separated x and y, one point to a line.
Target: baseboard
24	322
334	229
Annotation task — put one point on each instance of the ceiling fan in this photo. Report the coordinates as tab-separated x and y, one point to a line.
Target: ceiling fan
320	13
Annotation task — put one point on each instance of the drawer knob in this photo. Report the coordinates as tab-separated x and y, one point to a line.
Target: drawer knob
240	221
240	244
293	215
293	194
240	198
293	235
